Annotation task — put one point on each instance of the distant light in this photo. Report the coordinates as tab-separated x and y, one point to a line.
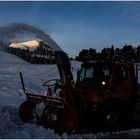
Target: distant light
31	45
103	83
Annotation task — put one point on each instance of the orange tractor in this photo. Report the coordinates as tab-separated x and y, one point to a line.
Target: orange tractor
107	90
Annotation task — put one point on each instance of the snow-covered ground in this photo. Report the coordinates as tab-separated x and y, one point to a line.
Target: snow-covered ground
11	97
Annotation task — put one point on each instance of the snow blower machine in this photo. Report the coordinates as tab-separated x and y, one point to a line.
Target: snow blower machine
107	90
52	112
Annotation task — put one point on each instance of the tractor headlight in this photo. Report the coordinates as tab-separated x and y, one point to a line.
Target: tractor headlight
103	83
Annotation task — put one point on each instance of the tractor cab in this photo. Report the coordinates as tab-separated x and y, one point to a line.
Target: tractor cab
95	75
101	82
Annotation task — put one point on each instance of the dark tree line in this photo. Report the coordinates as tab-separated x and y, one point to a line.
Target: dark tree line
43	54
126	54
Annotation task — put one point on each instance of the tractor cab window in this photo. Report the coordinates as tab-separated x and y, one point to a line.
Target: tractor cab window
89	73
104	75
86	73
106	71
124	73
121	74
82	75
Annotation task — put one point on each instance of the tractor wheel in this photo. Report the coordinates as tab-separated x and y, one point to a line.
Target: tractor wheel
111	116
26	111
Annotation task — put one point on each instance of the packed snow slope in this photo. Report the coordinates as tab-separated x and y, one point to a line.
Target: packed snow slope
10	84
11	96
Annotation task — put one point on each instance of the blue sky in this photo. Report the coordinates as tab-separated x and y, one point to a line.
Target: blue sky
79	25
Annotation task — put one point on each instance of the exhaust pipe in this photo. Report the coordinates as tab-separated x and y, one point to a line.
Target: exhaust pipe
22	82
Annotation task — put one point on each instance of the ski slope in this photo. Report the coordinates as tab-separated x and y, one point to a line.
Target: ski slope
11	96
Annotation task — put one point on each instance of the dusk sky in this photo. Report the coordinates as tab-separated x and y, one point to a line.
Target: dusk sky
79	25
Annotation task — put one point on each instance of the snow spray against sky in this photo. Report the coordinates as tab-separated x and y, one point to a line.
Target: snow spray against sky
20	32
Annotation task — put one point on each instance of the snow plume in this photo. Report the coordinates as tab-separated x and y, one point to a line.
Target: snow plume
10	32
20	32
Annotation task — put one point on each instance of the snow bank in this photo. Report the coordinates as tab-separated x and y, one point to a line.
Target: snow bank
10	58
34	76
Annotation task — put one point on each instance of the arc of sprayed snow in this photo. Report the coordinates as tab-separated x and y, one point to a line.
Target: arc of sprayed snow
12	31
